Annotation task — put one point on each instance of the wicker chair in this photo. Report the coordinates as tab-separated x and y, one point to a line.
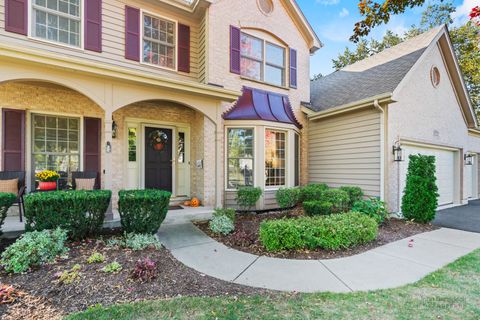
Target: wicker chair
85	175
9	175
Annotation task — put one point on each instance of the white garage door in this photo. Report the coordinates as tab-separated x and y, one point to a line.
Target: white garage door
445	171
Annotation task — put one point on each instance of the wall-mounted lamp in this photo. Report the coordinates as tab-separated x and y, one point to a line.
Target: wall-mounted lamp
398	153
468	157
108	147
114	129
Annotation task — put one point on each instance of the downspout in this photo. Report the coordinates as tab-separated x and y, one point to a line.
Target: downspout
377	106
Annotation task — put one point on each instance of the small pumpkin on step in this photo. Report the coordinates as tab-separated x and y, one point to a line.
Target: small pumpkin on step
187	203
195	202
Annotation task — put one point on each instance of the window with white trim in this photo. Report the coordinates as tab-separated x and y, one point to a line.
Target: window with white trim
261	60
159	40
275	160
240	157
57	21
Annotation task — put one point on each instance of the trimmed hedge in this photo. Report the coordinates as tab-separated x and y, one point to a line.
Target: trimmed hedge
247	197
354	194
312	192
80	213
333	232
314	208
143	211
6	201
420	199
338	198
287	197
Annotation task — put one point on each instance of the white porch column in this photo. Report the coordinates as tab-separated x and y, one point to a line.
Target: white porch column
219	158
108	162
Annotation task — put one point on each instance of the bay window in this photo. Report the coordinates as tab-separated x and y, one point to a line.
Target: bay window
159	41
240	157
261	60
275	158
57	21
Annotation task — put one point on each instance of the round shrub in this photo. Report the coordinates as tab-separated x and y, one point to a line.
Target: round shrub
247	197
228	212
143	211
420	199
316	207
338	198
312	191
80	212
222	225
354	194
287	197
6	201
34	249
333	232
373	208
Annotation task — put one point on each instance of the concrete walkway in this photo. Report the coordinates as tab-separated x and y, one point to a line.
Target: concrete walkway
389	266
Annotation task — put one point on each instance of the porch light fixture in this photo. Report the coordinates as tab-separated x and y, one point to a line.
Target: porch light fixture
108	147
114	129
397	152
468	157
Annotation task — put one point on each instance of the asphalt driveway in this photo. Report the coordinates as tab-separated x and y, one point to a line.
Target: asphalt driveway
464	218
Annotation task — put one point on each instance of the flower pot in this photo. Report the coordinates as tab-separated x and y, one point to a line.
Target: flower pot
158	146
47	185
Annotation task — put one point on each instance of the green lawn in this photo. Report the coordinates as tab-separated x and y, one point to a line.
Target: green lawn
451	293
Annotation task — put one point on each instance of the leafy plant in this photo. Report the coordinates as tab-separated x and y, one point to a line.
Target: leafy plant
47	176
143	211
6	201
112	267
136	241
333	232
96	257
227	212
8	294
247	197
145	270
338	198
373	207
354	194
316	207
287	197
222	225
34	249
312	191
80	212
420	199
70	276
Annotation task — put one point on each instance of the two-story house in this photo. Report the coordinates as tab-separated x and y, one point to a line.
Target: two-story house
195	97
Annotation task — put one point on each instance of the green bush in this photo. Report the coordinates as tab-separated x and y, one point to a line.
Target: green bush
143	211
420	199
112	267
136	241
247	197
333	232
317	207
227	212
287	197
373	208
80	212
34	249
338	198
222	225
312	192
354	194
6	201
96	257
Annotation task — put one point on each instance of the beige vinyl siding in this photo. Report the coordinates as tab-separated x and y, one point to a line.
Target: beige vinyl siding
270	202
346	150
202	56
113	38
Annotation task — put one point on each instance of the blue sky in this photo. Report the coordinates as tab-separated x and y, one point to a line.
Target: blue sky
333	20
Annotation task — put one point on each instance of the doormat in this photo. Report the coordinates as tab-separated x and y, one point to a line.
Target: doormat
175	208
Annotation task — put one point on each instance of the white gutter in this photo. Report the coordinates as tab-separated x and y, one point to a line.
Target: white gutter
383	150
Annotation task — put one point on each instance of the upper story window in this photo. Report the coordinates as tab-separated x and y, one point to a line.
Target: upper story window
261	60
159	41
57	21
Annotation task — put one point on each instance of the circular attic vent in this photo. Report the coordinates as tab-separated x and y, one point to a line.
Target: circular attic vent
435	76
266	6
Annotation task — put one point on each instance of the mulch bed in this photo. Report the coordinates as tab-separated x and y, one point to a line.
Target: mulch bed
245	237
96	287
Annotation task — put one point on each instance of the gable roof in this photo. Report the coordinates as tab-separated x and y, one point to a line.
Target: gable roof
377	75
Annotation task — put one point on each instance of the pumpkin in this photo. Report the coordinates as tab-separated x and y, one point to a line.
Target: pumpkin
187	203
195	202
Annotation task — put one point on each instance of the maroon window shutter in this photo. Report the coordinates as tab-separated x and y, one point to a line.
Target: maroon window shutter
91	145
183	48
234	50
13	144
293	68
16	16
93	25
132	33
